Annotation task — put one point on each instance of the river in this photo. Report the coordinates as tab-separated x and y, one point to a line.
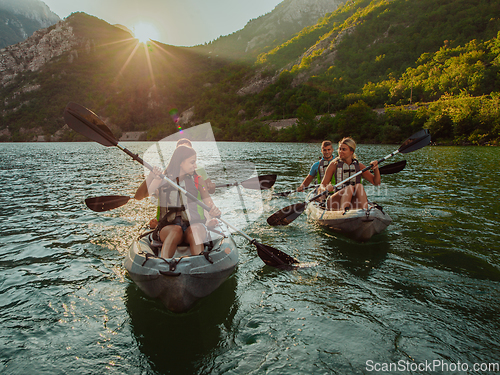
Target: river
423	293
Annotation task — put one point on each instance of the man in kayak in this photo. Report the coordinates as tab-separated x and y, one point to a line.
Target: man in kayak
318	169
181	218
351	194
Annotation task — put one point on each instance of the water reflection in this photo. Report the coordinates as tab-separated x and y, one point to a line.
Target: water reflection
360	259
182	343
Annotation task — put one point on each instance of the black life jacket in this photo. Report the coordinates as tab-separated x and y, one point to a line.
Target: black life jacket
345	171
171	201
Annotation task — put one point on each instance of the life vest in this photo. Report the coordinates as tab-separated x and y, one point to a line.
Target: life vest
323	164
171	201
344	171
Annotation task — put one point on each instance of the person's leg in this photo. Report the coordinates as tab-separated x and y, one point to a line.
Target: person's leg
333	202
345	201
340	200
195	235
360	200
171	236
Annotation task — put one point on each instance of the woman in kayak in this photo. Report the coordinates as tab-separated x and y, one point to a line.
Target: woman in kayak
199	171
181	218
351	194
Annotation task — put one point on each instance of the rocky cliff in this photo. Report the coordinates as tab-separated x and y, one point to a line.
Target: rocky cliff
37	50
32	55
19	19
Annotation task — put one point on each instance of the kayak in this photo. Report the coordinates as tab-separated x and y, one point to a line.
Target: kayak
358	224
179	282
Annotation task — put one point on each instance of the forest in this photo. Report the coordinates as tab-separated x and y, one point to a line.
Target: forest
440	71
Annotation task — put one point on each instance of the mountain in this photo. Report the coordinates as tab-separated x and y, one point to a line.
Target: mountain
88	61
374	54
431	63
19	19
272	29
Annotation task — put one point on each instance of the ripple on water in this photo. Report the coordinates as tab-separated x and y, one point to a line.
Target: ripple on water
425	289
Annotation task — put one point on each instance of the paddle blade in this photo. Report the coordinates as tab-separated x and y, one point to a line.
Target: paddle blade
286	215
260	182
106	203
418	140
393	168
87	123
274	257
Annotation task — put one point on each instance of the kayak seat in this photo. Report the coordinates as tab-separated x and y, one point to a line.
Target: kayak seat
156	246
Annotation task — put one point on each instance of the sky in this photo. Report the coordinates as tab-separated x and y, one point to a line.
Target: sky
175	22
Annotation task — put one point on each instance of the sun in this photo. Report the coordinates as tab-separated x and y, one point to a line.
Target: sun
145	32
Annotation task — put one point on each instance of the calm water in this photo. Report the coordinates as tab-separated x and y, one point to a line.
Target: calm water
425	290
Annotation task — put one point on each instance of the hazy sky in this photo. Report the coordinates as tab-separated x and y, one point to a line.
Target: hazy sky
177	22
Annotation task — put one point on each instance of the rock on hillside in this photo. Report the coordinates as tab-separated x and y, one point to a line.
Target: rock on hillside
34	52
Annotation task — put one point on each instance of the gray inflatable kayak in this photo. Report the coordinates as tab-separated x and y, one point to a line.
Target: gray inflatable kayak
181	281
358	224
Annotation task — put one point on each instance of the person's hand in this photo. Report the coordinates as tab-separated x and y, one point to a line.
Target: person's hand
300	188
374	165
153	223
214	211
157	172
212	223
329	187
154	175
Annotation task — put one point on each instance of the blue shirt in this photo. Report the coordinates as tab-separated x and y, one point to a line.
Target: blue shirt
314	169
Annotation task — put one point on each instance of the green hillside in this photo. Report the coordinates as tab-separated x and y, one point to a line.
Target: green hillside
381	54
426	63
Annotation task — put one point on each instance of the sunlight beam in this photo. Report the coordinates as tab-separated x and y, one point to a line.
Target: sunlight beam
144	32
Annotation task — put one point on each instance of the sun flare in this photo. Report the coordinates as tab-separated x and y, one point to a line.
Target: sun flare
145	32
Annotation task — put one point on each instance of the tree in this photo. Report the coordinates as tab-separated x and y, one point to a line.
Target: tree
306	122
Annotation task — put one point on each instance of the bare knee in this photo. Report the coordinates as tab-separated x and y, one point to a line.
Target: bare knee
172	232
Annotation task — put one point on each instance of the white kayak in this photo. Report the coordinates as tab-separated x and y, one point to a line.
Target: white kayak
179	282
358	224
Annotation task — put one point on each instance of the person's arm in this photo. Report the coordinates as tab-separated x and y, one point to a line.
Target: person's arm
205	196
208	182
152	181
305	183
373	178
312	173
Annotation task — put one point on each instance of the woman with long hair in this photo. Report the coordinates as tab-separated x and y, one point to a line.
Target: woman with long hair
351	194
181	219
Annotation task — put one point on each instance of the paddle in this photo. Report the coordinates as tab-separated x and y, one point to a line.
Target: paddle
90	125
288	214
106	203
110	202
256	183
386	169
